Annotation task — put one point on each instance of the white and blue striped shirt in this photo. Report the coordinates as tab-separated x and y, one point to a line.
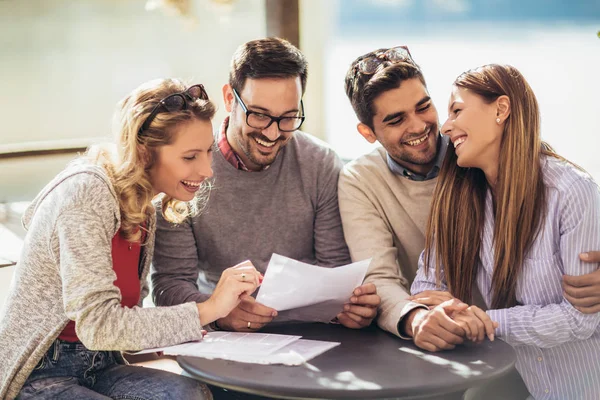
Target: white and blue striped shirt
558	347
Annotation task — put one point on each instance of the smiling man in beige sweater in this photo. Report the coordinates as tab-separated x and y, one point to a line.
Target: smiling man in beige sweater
384	196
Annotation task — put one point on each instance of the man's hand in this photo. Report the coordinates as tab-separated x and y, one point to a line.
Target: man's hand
584	291
362	308
434	330
431	298
248	316
476	323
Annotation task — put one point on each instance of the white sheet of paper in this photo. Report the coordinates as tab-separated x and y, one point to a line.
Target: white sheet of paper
295	353
305	292
222	344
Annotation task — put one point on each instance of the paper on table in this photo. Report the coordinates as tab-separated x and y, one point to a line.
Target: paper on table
305	292
255	348
295	353
224	344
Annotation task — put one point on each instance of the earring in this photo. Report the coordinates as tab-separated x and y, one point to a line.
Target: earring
498	120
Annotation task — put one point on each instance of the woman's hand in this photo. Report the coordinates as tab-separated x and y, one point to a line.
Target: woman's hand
242	279
435	330
431	298
476	324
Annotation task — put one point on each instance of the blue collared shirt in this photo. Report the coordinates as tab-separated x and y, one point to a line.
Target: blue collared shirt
441	153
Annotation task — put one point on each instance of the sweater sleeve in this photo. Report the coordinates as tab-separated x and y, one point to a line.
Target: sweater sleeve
368	235
175	264
90	298
330	248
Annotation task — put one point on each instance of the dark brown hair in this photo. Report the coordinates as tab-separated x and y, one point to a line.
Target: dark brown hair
363	89
267	58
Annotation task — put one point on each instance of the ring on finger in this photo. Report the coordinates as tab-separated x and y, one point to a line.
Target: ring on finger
249	325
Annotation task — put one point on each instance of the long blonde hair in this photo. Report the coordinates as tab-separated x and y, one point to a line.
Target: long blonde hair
457	212
137	152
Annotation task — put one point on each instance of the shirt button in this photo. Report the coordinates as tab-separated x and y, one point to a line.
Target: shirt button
540	359
547	391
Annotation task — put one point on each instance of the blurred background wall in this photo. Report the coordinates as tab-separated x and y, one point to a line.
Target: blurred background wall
65	64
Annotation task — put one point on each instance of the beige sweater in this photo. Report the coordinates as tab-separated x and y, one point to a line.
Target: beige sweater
65	273
384	216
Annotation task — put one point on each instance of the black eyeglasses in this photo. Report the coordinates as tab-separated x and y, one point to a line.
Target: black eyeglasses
176	102
261	121
370	65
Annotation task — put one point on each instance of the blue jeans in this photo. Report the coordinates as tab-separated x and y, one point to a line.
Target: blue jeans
70	371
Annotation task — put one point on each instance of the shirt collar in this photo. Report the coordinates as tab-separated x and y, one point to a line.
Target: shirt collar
228	152
435	170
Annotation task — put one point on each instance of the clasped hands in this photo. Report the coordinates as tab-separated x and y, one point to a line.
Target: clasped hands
447	323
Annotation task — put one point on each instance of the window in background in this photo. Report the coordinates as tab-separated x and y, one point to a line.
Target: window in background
555	44
65	64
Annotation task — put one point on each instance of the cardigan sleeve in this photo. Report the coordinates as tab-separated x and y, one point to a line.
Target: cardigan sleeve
82	234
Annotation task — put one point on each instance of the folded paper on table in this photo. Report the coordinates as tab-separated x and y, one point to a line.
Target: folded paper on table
295	353
223	343
305	292
256	348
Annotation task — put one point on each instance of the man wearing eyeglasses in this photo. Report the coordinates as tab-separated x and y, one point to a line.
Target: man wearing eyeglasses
275	192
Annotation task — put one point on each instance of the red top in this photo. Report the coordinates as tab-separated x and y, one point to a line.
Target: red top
126	260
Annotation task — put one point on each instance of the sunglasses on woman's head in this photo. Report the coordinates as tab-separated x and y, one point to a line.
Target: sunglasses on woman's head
176	102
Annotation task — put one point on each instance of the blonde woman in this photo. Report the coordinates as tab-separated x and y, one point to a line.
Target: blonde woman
75	299
511	216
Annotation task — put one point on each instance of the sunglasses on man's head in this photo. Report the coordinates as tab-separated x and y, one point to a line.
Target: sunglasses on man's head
370	65
176	102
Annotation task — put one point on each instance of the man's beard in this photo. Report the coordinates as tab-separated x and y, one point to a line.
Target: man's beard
404	153
246	147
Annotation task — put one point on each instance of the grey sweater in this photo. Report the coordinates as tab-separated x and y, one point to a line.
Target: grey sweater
291	209
65	273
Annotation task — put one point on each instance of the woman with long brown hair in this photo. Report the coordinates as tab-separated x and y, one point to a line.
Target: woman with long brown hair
76	297
511	216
